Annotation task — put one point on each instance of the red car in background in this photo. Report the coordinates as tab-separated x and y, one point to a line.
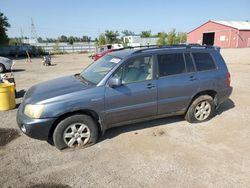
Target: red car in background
105	49
99	55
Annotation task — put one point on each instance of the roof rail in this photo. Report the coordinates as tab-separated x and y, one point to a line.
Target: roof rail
143	46
133	47
177	46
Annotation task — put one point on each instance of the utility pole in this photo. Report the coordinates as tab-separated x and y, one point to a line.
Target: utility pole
21	32
33	32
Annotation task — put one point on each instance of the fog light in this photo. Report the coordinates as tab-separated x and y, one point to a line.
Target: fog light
23	128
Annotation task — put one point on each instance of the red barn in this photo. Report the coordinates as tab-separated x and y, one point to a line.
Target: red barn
225	34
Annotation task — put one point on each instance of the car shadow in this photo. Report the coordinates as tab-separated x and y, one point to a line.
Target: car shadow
20	94
116	131
15	70
48	185
18	70
51	65
227	105
7	135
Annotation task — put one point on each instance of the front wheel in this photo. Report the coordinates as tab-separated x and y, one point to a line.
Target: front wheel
75	131
201	109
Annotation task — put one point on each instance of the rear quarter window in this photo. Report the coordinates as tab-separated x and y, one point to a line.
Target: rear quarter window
203	61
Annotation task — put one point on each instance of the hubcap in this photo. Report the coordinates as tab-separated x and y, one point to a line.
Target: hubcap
202	110
77	134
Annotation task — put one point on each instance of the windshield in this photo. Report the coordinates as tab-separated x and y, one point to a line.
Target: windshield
98	69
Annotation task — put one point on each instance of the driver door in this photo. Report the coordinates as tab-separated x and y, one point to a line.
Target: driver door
136	98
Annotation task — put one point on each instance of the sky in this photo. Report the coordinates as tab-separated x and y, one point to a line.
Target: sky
53	18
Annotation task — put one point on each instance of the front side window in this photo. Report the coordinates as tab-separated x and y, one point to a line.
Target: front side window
136	69
97	70
203	61
171	64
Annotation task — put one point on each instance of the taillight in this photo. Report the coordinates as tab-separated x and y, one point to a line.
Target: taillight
228	79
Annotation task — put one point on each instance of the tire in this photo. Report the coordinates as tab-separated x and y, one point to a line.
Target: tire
75	131
2	68
201	109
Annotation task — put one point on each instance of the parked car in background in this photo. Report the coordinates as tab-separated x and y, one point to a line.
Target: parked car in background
99	55
105	49
5	64
124	87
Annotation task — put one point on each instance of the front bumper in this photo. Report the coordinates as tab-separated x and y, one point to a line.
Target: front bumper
34	128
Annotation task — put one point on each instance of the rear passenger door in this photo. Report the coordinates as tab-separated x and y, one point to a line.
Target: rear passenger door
177	82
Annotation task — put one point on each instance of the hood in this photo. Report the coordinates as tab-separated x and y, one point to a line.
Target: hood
54	88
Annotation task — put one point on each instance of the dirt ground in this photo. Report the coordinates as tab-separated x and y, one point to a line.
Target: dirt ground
163	153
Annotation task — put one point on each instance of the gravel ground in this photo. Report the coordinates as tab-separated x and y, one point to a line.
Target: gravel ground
163	153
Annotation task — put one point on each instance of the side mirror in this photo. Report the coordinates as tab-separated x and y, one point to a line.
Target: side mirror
114	82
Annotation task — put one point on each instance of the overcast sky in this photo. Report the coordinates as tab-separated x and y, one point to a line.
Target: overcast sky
91	17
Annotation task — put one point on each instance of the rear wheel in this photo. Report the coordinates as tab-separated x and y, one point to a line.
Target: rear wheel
202	109
75	131
2	68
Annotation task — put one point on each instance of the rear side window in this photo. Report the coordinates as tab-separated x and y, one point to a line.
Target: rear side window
170	64
189	62
203	61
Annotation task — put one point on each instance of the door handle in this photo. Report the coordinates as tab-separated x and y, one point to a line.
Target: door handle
192	78
150	86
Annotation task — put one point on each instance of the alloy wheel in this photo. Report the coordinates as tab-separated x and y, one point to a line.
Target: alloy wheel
77	134
202	111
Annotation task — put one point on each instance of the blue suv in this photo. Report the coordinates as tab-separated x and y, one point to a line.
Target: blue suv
124	87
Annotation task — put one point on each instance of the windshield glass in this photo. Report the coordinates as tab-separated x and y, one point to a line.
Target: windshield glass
97	70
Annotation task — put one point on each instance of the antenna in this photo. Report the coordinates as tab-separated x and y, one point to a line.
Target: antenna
33	32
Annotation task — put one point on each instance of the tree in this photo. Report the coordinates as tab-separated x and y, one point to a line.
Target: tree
63	38
171	38
102	40
176	38
111	36
181	37
162	38
85	39
56	48
15	41
50	40
145	34
71	40
4	24
39	39
127	33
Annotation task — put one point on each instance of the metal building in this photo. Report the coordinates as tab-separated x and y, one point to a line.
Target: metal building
225	34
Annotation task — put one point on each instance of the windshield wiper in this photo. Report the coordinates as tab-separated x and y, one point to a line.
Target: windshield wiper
84	80
80	77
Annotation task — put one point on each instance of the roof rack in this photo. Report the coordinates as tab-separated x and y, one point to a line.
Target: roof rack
133	47
194	46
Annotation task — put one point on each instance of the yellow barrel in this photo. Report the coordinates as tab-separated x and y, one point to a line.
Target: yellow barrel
7	96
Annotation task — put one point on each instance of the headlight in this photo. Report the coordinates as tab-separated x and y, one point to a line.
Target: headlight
34	111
